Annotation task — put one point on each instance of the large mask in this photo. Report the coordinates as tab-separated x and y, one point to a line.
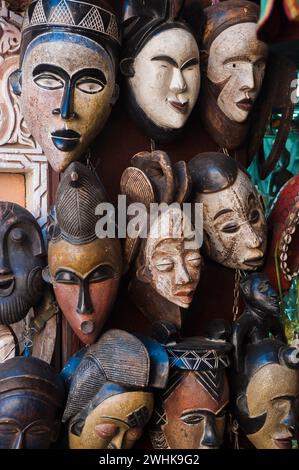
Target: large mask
235	231
68	68
110	401
22	257
85	270
191	412
167	261
283	228
266	394
234	69
31	397
161	66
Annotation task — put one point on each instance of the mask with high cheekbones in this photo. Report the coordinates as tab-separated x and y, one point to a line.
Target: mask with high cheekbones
68	65
235	230
22	258
31	399
111	393
160	63
266	394
166	256
85	270
191	412
234	69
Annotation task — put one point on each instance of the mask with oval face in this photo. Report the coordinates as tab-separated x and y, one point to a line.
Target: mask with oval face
166	250
235	230
68	68
31	397
110	401
22	258
191	412
161	65
85	270
234	69
266	394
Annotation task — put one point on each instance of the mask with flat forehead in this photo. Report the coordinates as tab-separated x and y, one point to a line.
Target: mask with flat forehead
68	65
31	398
234	69
166	256
235	230
266	394
85	270
110	401
22	257
160	62
191	412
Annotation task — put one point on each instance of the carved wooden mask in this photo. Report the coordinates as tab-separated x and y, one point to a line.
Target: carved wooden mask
85	270
266	394
31	395
22	257
235	230
161	66
234	69
68	70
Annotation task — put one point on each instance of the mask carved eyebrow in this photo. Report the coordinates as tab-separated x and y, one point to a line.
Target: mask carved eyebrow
190	63
222	212
51	68
166	58
238	58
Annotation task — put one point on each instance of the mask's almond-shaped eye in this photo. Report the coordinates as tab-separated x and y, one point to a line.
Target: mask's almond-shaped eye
192	418
39	430
8	428
106	430
66	277
101	274
18	235
49	81
165	265
89	85
193	258
254	216
231	227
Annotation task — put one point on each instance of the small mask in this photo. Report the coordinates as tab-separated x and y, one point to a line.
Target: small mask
266	394
191	412
31	396
235	230
161	66
109	401
85	271
68	68
22	258
234	70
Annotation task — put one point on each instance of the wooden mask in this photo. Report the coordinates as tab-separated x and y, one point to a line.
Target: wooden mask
22	257
110	398
167	263
85	270
235	230
266	394
191	412
160	63
69	56
233	72
31	396
282	222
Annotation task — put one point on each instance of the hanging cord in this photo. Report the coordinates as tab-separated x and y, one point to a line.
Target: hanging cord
236	294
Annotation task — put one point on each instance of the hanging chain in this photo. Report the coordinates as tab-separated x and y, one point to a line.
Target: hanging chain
236	294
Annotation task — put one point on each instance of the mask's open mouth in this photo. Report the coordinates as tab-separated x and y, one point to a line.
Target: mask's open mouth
288	247
7	284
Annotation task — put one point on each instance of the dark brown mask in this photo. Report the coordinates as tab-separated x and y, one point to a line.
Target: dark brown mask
22	257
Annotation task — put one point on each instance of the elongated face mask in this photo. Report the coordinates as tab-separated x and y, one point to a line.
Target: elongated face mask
172	260
235	229
67	94
116	423
166	78
236	65
274	390
22	257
